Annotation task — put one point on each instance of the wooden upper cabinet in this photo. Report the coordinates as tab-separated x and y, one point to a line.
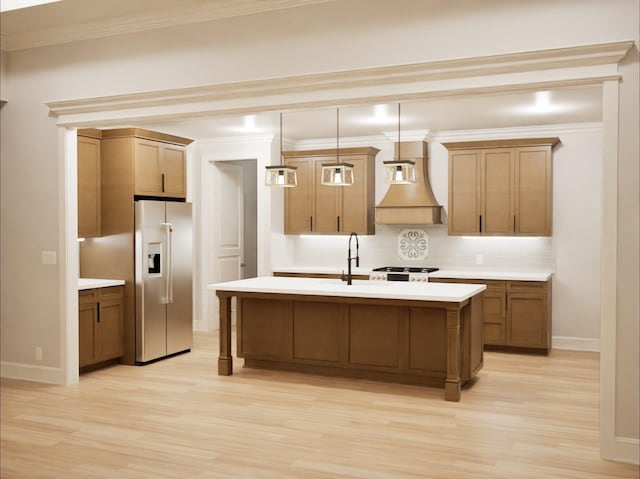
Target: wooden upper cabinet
89	196
464	192
155	162
160	169
300	200
533	191
313	208
501	187
497	187
328	202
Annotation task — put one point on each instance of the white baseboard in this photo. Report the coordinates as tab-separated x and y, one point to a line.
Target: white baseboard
622	449
575	344
30	372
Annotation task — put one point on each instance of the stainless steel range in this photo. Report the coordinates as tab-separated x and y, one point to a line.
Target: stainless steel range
401	273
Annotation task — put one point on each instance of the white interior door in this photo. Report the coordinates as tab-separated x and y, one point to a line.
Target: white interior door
230	220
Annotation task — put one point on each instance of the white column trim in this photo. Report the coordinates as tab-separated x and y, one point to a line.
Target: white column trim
608	269
68	258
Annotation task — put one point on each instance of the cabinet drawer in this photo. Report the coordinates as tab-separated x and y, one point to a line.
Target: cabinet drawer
536	287
110	293
87	296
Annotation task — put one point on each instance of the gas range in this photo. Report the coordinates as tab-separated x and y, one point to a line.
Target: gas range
401	273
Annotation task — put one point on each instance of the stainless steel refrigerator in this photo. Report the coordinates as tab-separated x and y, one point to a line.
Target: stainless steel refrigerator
163	276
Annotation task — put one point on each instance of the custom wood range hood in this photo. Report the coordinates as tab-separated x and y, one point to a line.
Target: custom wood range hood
410	204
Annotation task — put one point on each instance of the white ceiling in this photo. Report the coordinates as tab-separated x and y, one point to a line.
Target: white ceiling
73	20
463	112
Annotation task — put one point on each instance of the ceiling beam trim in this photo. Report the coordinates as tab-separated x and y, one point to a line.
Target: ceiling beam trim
530	70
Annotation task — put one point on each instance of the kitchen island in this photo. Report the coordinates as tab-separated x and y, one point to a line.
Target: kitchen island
427	334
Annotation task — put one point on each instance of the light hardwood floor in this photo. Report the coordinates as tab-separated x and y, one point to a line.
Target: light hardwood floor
525	417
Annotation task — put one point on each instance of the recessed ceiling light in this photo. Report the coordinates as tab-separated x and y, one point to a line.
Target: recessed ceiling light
249	122
543	101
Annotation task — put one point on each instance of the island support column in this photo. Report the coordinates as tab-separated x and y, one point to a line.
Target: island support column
452	385
225	360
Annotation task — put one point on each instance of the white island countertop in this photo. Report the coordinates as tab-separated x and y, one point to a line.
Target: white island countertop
90	283
446	292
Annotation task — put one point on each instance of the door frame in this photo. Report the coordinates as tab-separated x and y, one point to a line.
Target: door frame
259	148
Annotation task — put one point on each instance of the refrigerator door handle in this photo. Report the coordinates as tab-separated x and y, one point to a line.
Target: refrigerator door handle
168	296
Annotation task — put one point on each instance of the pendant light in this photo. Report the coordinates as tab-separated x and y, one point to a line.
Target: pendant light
398	171
281	175
337	174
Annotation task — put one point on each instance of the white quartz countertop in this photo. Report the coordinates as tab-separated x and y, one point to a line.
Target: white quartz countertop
90	283
359	289
495	275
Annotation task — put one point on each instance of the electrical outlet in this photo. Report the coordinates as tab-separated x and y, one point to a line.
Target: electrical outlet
38	353
479	259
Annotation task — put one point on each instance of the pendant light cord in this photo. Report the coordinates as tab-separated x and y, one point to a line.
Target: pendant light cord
337	135
399	131
281	162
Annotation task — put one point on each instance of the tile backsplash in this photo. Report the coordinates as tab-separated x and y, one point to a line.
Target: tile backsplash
443	251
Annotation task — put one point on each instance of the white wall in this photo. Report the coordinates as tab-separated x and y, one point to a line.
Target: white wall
340	37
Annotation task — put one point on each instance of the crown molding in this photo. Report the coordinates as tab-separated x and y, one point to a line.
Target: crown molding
108	26
516	132
408	135
590	64
350	141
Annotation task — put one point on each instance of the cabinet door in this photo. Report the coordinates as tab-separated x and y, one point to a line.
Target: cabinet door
174	171
89	204
148	168
299	201
355	207
527	320
464	192
328	202
87	320
109	329
533	192
497	192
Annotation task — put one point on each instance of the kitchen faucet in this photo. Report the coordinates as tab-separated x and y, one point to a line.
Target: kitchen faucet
349	258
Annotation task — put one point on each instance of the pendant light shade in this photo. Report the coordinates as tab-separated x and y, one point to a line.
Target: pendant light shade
281	175
337	174
398	171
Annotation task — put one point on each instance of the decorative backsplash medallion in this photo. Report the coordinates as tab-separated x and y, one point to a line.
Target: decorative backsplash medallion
413	244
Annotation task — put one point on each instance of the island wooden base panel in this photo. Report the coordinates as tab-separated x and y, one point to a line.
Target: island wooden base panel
426	343
527	417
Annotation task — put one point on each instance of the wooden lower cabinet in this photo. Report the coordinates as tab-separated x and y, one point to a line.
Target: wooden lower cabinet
516	315
415	342
100	323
